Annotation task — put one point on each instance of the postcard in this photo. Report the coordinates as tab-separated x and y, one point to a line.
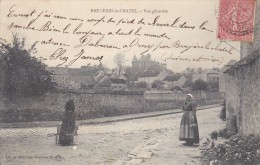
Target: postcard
124	82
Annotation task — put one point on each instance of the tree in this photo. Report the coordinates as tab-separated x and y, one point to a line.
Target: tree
23	75
141	84
188	84
130	75
199	85
176	88
119	60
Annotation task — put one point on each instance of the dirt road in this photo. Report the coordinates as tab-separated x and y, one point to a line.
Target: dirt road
144	141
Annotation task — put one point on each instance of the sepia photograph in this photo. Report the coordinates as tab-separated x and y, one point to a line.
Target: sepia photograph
120	82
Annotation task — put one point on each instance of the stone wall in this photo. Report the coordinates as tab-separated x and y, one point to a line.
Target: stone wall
231	95
249	110
178	96
242	97
88	105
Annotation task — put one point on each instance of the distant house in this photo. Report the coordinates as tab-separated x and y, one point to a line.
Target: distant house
111	80
72	78
177	80
150	76
207	75
99	75
118	84
172	81
80	76
60	75
116	76
104	81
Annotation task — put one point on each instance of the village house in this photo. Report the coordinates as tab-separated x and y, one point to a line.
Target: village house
150	76
60	75
111	80
99	75
172	81
147	70
207	75
176	81
71	78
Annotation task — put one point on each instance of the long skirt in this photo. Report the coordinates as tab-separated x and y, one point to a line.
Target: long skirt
65	139
67	129
189	130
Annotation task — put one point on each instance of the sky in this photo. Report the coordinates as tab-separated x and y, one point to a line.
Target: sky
180	33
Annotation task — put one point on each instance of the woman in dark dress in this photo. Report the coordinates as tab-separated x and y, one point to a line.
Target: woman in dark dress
189	130
68	124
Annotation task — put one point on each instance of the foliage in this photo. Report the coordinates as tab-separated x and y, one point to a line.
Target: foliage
130	75
104	83
94	68
157	84
176	88
23	75
239	150
213	86
199	85
188	84
119	60
224	133
86	86
141	84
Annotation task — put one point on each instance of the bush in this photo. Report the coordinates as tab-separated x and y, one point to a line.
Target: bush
157	84
199	85
239	150
223	133
213	86
176	88
141	84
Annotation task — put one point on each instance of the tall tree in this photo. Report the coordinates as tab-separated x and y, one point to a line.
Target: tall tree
119	60
22	74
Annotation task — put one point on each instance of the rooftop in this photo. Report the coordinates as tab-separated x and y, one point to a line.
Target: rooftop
248	60
117	81
150	73
172	77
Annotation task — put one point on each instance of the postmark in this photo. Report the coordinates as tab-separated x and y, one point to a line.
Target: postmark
236	20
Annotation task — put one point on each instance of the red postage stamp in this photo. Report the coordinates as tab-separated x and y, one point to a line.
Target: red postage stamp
236	20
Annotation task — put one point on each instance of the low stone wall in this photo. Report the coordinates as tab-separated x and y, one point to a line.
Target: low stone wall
179	96
88	105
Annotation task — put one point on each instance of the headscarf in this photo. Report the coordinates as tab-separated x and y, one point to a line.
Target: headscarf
190	95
